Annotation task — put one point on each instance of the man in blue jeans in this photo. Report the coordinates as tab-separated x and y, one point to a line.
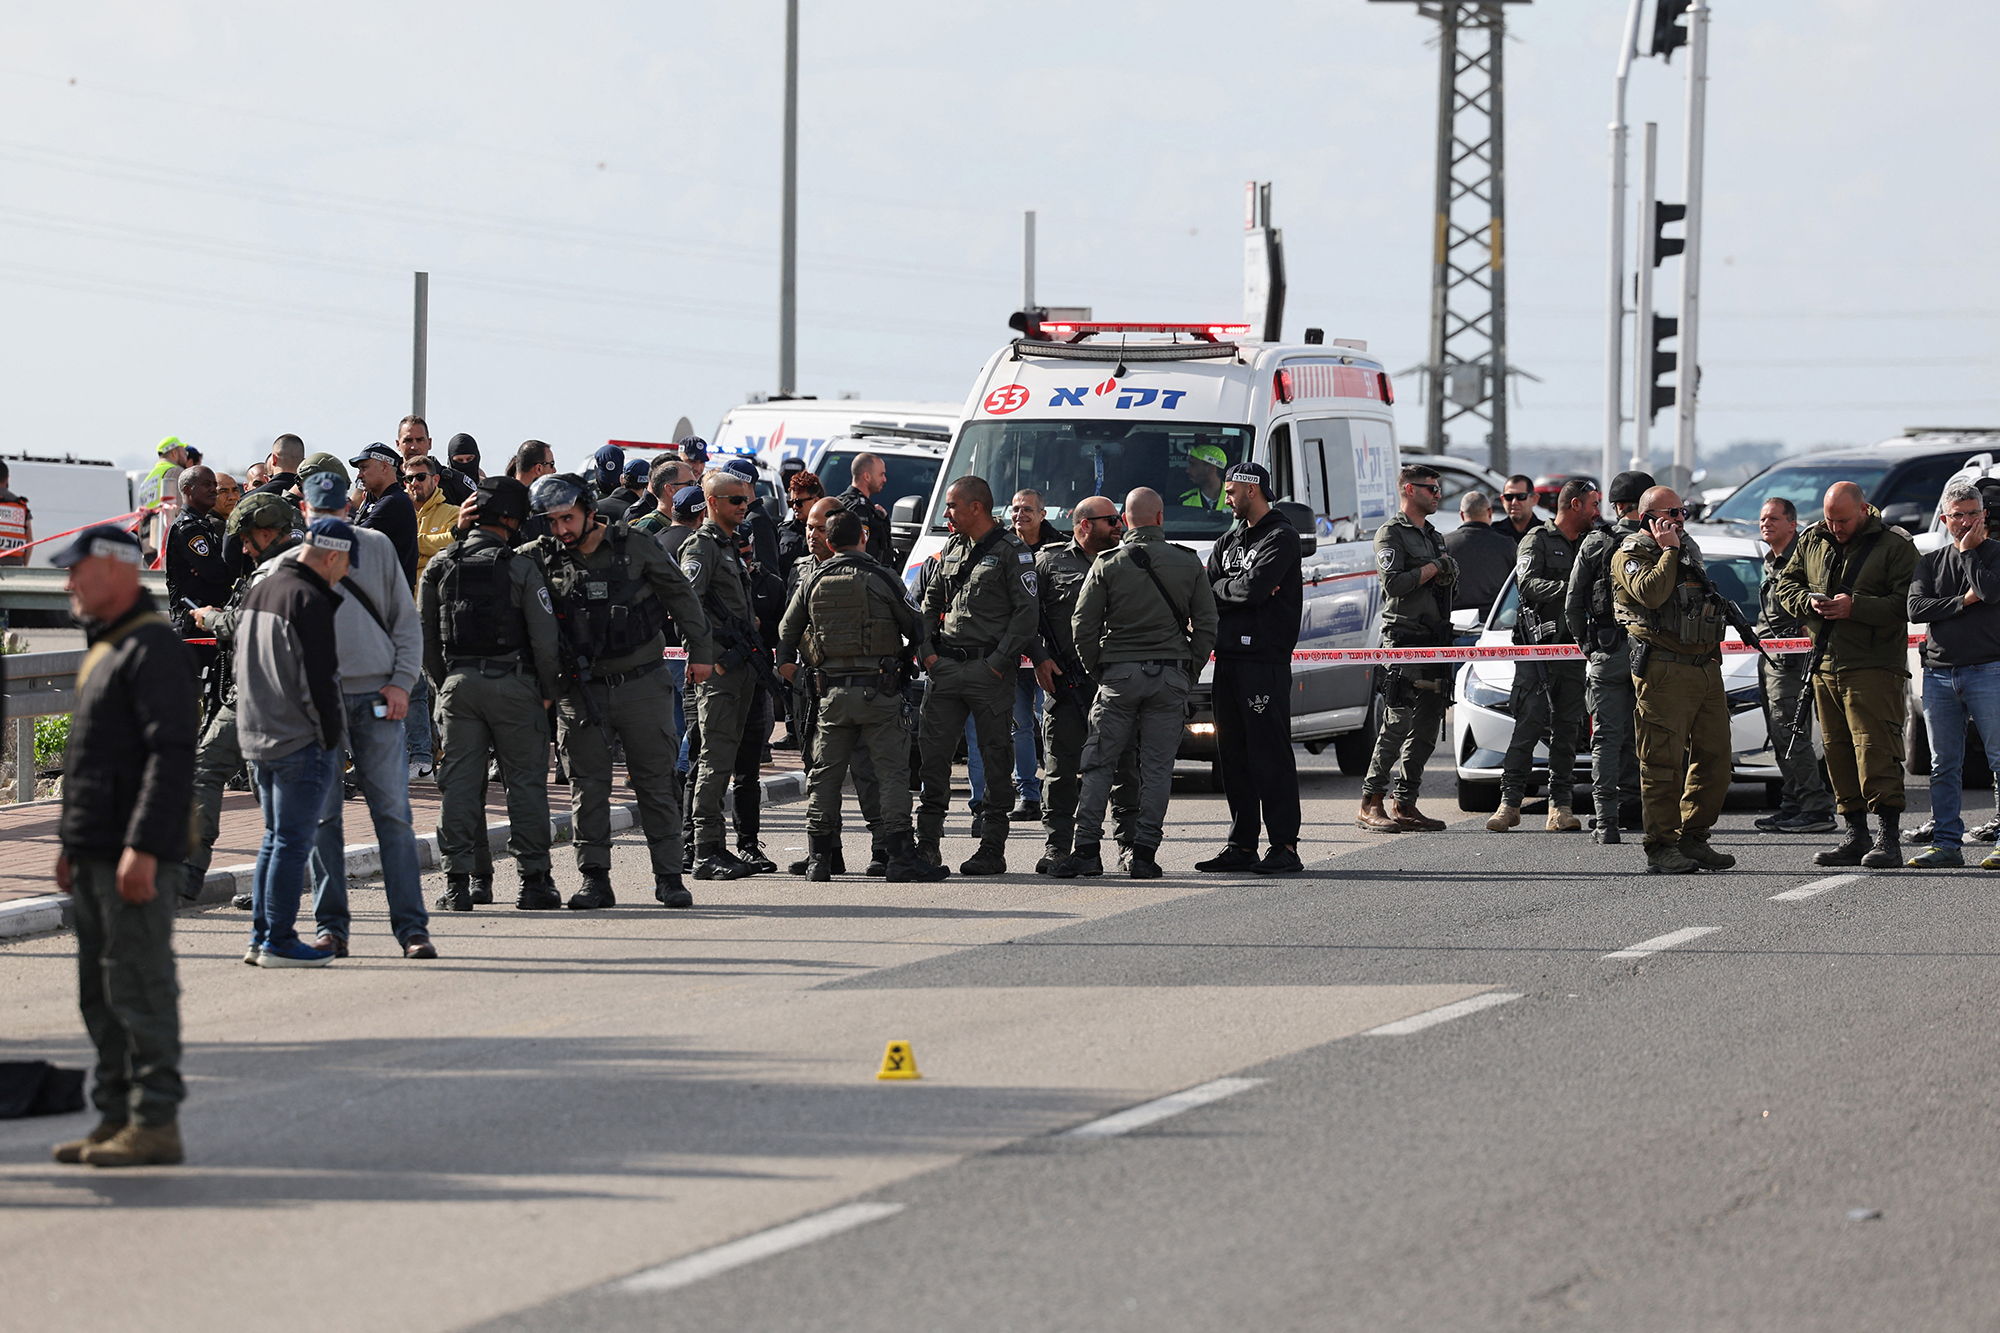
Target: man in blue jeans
380	652
289	721
1956	592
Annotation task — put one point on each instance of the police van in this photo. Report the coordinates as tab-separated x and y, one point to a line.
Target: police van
773	430
1080	409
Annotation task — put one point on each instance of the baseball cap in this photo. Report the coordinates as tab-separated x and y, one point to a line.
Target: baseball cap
106	539
263	509
1248	472
376	450
193	455
324	490
332	534
323	463
689	502
694	449
502	497
742	468
1627	487
791	465
637	468
1210	454
171	443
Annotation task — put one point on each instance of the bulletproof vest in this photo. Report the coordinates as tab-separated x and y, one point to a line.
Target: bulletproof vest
620	611
843	622
480	618
1691	615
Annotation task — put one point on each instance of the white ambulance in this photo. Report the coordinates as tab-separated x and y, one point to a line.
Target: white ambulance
1102	408
776	429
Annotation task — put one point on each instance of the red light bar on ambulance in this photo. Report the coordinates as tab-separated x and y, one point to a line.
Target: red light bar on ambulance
1077	332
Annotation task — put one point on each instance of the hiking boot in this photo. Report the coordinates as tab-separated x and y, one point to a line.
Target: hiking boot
1562	821
985	861
1694	846
1231	857
537	895
819	859
906	867
800	866
1280	861
1937	858
1807	823
1851	847
1142	865
878	859
595	893
1373	817
669	891
1050	855
1667	859
1082	861
715	862
1506	817
71	1153
1027	812
1413	820
137	1145
482	890
1887	853
753	856
457	895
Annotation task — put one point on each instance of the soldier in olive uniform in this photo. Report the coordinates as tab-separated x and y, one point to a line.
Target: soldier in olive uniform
613	592
1804	804
1417	579
1144	622
980	611
1849	583
858	630
490	655
1059	573
1664	603
1614	764
1547	696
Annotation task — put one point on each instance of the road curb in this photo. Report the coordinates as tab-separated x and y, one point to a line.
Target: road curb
51	912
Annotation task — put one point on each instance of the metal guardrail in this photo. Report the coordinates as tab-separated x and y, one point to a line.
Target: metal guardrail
37	685
30	588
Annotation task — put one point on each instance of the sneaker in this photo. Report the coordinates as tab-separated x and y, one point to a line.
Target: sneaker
252	954
1280	861
1774	823
1923	832
419	771
1992	861
293	953
1231	857
137	1145
1806	823
1987	832
419	946
753	856
242	902
1937	858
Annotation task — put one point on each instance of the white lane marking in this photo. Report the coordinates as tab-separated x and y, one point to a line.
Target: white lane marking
1146	1113
1661	943
1817	887
707	1263
1430	1018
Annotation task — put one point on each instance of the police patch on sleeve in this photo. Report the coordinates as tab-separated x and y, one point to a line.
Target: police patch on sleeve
691	568
199	546
1028	581
1632	567
1027	557
1386	558
547	605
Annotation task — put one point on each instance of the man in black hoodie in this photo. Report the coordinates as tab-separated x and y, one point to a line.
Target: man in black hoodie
1254	571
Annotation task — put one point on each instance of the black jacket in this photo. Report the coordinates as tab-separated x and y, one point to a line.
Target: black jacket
129	767
1960	635
1259	597
1485	559
457	489
881	538
197	569
393	515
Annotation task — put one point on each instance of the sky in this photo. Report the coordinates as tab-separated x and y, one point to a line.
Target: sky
211	211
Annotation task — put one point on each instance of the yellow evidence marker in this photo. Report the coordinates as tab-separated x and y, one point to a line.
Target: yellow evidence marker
899	1061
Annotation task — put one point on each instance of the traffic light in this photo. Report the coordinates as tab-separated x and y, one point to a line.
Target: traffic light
1660	363
1668	30
1663	244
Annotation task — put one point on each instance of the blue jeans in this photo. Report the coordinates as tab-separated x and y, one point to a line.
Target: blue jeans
382	771
1027	725
291	792
1953	696
418	727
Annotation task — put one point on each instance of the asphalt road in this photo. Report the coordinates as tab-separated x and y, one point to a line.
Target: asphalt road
579	1123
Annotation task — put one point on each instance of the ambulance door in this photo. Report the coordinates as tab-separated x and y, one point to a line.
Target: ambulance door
1337	606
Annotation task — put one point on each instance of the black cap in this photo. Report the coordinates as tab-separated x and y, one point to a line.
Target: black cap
694	449
1252	472
502	497
1627	487
99	539
376	450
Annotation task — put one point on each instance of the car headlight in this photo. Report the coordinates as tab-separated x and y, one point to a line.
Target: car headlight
1482	695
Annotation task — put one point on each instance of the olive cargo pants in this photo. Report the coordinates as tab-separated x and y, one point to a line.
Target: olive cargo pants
855	721
128	992
1548	701
1065	728
1409	733
958	690
504	713
1614	763
1683	717
1142	702
1861	715
641	712
723	704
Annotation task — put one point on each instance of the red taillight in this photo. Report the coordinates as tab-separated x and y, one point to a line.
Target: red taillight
1388	391
1281	384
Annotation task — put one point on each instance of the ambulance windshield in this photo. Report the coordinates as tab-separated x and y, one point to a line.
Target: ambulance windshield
1069	460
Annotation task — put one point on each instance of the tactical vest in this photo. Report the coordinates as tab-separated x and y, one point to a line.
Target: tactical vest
620	611
480	618
1606	634
843	624
1691	615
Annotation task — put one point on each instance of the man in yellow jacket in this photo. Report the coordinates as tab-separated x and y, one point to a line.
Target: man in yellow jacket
435	514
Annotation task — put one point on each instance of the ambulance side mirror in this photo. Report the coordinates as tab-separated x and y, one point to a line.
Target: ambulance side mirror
1301	517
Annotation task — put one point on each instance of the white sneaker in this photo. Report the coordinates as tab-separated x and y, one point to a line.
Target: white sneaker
419	770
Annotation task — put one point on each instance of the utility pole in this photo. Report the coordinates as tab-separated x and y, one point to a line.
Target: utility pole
788	261
1689	378
1643	325
1614	324
420	357
1028	261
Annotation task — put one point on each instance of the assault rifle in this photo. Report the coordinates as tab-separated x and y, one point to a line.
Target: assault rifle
1802	715
578	658
737	640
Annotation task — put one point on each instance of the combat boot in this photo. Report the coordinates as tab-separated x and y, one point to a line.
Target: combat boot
1887	853
1562	820
907	867
1694	846
71	1153
538	894
1413	820
1606	826
715	862
1142	865
819	857
929	852
878	859
1373	817
671	892
753	856
482	890
138	1145
1852	847
595	893
1506	817
1083	861
800	866
986	861
1050	855
457	895
1667	859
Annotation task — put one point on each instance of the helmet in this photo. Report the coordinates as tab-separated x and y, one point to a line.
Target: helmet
1208	453
262	509
560	490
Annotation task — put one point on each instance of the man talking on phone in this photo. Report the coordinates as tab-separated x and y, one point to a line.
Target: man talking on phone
1660	594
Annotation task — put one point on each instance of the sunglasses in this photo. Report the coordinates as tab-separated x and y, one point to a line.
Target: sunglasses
1517	495
734	499
1431	486
1098	518
1666	513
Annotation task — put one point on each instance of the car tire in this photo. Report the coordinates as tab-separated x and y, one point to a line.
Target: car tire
1480	798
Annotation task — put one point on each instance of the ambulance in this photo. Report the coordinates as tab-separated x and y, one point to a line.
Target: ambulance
1079	409
776	429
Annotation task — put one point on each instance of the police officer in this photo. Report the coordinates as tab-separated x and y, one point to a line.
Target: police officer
196	569
870	477
1850	585
612	593
1417	581
1804	804
723	701
1144	620
1547	697
1060	569
855	630
490	655
1676	624
980	613
1607	687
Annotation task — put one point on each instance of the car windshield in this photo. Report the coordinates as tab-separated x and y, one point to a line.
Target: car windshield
1069	460
1741	577
908	474
1804	484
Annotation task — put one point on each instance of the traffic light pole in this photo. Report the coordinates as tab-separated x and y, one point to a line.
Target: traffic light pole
1614	324
788	257
1689	378
1642	306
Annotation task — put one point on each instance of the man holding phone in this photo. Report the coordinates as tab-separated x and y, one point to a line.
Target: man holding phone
1661	597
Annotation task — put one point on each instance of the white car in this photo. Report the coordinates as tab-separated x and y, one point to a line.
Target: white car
1482	725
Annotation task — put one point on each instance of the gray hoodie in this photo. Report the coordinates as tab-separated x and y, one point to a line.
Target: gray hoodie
370	656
